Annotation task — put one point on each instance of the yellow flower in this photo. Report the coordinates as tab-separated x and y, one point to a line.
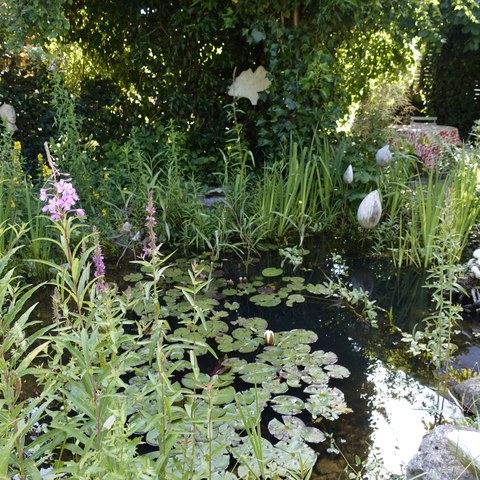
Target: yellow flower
12	204
300	202
15	181
17	146
46	172
106	176
96	195
40	157
104	212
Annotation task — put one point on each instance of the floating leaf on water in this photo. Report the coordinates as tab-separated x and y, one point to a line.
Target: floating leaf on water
257	324
173	272
291	374
257	373
223	338
284	292
234	363
133	277
195	382
213	328
265	289
220	396
272	272
296	336
241	333
287	404
327	402
319	357
337	371
318	289
229	292
246	345
294	298
295	456
293	428
313	374
257	283
266	300
275	386
231	306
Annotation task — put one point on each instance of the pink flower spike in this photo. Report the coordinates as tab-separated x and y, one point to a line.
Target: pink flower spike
80	212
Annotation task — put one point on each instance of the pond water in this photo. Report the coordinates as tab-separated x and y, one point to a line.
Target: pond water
392	396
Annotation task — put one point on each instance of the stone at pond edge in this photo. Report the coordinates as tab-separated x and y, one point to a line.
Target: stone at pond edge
435	460
468	393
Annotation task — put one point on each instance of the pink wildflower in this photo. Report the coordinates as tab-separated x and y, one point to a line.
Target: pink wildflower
150	224
97	259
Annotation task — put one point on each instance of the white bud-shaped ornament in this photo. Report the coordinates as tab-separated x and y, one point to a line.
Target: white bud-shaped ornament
383	156
8	115
476	253
348	175
475	271
370	210
269	337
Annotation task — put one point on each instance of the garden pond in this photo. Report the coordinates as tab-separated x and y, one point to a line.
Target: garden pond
386	398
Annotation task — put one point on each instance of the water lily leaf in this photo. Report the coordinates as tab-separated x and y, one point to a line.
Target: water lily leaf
328	402
266	289
231	305
213	328
246	345
293	337
275	386
256	324
287	404
337	371
291	374
173	272
234	363
133	277
319	357
266	300
257	373
295	455
295	298
318	289
195	382
272	272
241	333
230	291
313	374
221	396
293	428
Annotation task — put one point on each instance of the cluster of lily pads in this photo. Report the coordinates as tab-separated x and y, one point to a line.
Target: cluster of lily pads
226	403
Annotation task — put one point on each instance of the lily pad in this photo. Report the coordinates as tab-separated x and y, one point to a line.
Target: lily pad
293	428
257	373
295	298
293	337
337	371
257	325
287	404
133	277
266	300
318	289
272	272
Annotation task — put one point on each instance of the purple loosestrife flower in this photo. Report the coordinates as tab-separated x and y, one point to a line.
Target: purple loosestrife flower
100	284
150	224
61	199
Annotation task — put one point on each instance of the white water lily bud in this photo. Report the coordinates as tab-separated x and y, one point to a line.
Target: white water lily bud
476	253
348	175
269	336
383	157
370	210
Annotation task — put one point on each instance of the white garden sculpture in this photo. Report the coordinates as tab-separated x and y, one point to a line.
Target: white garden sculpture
384	156
370	210
348	175
7	114
249	83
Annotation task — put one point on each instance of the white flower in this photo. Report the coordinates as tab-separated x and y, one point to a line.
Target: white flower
269	336
348	175
383	156
370	210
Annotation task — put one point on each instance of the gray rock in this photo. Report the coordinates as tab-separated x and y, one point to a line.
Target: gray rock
468	393
435	459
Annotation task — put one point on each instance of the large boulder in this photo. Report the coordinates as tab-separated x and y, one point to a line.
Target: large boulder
468	393
440	458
